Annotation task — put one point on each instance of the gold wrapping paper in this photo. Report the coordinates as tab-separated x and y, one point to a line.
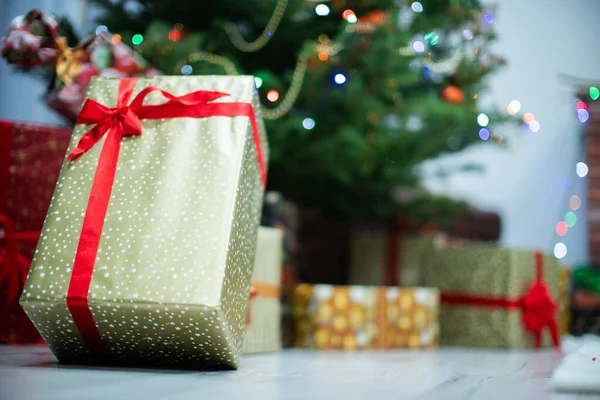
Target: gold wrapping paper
486	271
171	278
369	258
365	317
264	332
564	300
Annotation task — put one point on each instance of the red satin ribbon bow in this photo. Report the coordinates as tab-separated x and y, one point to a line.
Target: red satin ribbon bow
537	306
118	122
539	309
13	265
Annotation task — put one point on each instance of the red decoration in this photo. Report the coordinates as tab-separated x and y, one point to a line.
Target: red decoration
30	159
174	35
453	94
116	123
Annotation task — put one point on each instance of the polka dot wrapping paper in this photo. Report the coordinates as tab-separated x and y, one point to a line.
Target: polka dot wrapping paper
365	317
172	272
264	329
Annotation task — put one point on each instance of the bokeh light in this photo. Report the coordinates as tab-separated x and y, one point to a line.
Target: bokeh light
258	82
484	134
594	92
352	19
322	10
513	107
100	29
570	219
417	7
489	18
580	105
561	228
581	169
432	38
308	123
272	95
116	38
347	13
418	46
186	69
483	120
560	250
528	117
323	56
583	115
339	79
137	39
534	126
467	34
574	202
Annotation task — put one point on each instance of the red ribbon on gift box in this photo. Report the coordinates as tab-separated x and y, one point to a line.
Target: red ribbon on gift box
115	123
537	305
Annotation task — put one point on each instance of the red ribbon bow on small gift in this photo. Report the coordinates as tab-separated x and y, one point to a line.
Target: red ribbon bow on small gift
539	309
115	123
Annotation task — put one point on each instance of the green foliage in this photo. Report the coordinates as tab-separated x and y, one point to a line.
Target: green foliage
372	132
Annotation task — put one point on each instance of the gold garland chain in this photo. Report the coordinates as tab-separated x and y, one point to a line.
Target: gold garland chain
241	44
214	59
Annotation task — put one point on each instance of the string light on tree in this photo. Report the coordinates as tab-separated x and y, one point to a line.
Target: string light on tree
308	123
101	29
137	39
560	250
580	105
186	69
528	117
418	46
348	13
534	126
322	10
417	7
483	120
581	169
272	95
594	93
258	82
340	79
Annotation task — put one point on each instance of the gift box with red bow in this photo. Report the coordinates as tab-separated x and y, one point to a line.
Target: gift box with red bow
33	41
30	159
495	297
148	247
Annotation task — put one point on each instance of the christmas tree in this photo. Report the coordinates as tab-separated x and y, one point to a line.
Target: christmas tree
356	94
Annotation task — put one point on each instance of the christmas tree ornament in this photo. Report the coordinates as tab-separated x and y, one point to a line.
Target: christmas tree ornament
368	22
453	94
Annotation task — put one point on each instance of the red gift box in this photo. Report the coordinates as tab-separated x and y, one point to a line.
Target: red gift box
31	156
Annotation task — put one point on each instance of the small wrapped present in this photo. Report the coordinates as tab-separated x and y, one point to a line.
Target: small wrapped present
30	159
263	333
284	215
33	41
147	251
495	297
365	317
389	257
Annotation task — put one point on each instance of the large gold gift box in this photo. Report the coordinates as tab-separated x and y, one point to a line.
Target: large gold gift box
482	290
264	326
171	277
365	317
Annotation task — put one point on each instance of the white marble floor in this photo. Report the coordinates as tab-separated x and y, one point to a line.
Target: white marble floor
445	374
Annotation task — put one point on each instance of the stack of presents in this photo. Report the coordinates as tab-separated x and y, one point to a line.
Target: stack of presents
144	235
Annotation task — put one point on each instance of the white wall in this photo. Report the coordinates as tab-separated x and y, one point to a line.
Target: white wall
540	40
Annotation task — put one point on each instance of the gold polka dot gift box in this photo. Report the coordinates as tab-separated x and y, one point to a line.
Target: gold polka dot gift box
263	333
365	317
496	297
148	247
